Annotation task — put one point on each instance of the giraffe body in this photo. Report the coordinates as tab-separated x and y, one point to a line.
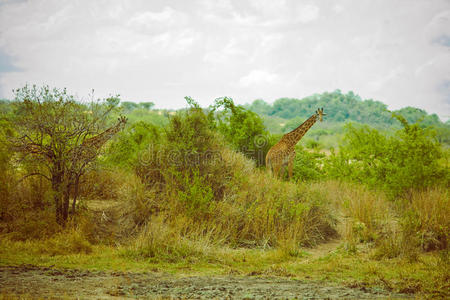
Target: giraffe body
282	154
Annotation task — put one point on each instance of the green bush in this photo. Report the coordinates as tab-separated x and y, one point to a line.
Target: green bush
196	196
124	150
243	129
409	159
308	165
189	149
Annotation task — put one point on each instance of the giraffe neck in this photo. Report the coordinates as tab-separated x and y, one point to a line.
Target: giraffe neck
295	135
106	135
98	140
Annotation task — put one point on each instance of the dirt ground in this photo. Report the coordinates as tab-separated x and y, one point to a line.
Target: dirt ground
39	282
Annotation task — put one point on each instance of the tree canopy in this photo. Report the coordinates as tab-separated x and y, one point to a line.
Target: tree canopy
57	137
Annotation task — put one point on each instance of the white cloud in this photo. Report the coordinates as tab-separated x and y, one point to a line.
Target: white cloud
381	81
337	8
307	13
258	77
149	21
270	7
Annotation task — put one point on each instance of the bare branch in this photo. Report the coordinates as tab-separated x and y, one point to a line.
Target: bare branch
33	174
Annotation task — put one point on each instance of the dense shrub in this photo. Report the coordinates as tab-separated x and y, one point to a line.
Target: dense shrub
103	183
308	164
123	151
410	159
243	129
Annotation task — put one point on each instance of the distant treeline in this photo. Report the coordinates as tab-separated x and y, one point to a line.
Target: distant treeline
287	113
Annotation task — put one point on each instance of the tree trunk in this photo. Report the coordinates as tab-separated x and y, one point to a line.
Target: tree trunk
56	187
65	203
75	194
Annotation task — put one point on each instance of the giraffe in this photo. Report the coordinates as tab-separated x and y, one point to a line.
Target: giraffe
283	153
88	148
84	153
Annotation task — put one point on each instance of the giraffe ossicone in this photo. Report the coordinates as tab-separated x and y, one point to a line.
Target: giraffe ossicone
282	154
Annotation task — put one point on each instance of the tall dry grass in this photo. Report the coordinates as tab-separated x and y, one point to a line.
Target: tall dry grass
428	216
423	225
401	228
363	214
254	210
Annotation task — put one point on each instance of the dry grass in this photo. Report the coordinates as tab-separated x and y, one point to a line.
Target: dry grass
364	214
70	241
253	210
103	183
423	225
396	229
431	209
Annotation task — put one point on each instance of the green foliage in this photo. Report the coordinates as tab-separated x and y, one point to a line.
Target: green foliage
308	165
417	115
190	133
260	107
196	195
156	118
409	159
147	105
124	150
187	149
242	128
339	107
128	106
6	168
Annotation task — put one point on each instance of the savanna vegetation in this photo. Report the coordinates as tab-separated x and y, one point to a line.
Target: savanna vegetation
123	186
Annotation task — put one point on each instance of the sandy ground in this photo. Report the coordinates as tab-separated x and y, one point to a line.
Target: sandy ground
36	282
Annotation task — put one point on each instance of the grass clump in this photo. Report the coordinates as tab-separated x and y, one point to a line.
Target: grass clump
66	242
158	242
428	217
364	213
423	226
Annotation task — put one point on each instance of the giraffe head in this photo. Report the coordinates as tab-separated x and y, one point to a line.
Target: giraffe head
123	119
320	114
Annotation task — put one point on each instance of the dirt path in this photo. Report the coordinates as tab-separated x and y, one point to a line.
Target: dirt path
67	283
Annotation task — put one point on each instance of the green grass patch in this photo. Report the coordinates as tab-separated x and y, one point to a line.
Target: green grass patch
428	276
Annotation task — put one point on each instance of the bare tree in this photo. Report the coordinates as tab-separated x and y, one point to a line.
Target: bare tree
62	136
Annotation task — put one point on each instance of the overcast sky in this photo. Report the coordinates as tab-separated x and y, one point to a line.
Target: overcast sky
397	52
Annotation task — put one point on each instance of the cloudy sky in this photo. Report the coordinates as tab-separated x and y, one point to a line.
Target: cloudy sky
394	51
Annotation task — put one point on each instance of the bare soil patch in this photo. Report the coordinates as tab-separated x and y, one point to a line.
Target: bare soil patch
33	282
